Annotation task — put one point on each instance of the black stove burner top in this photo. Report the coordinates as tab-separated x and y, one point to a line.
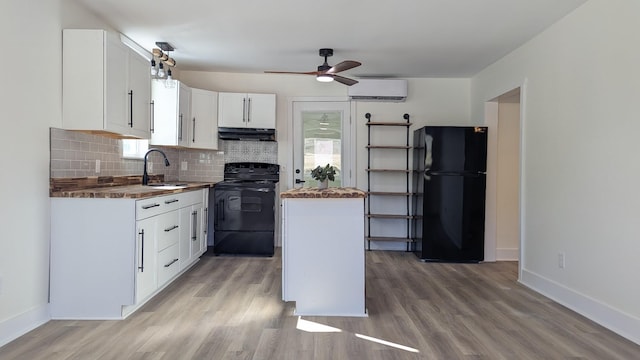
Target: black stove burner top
251	172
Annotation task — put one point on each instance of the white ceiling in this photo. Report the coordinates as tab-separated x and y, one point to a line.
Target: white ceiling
399	38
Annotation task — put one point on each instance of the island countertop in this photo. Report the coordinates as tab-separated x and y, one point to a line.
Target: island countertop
313	193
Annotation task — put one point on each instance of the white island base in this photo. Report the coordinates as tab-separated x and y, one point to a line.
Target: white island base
323	265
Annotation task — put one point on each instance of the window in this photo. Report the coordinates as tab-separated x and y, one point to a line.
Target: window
134	149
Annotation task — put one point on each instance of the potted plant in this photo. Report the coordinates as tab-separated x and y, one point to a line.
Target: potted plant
323	174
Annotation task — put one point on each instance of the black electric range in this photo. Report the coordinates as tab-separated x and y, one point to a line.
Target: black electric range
244	209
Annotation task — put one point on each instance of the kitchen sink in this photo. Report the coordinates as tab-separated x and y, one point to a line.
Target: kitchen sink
168	186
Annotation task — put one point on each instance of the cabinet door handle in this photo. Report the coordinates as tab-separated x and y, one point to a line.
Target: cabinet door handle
131	108
141	267
244	109
193	134
171	263
180	126
249	110
145	207
194	233
171	228
171	201
206	220
153	116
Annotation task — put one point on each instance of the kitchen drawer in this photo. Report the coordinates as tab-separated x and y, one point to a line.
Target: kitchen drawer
168	229
191	197
157	205
168	264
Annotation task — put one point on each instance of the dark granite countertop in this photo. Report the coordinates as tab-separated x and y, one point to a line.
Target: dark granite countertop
112	187
315	193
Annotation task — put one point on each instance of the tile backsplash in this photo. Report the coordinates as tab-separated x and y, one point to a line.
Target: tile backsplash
74	154
249	150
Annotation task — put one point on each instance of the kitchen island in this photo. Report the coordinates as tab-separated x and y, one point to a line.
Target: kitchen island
323	266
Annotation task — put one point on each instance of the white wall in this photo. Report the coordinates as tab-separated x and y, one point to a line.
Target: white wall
30	101
580	159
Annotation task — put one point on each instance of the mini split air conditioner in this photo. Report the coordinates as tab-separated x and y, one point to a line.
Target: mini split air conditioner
379	90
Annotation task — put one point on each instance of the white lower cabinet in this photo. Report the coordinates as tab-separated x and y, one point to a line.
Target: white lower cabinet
110	256
192	221
146	279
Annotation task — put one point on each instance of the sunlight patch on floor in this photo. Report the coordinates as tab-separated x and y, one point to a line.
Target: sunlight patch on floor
387	343
314	327
311	326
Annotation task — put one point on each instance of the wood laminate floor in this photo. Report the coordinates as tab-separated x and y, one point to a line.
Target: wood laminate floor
231	308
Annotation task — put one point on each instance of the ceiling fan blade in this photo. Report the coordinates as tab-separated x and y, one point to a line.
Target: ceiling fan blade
345	65
292	72
344	80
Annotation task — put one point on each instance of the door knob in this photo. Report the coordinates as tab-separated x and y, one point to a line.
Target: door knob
298	181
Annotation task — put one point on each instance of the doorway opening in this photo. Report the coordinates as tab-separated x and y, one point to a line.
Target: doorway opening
503	114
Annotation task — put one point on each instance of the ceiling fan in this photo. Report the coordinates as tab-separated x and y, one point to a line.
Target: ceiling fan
327	73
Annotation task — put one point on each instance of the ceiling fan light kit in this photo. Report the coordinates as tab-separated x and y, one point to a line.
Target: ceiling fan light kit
324	78
326	72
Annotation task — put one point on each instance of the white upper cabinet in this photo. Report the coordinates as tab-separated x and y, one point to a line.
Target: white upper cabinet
184	116
204	119
242	110
139	92
106	85
172	111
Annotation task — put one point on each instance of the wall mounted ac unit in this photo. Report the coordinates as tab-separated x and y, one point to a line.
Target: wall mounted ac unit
379	90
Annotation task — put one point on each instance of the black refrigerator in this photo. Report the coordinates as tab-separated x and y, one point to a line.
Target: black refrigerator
449	181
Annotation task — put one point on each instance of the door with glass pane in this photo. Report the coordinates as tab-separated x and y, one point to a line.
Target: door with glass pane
322	135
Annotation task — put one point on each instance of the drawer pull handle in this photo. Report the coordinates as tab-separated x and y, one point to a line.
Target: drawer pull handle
171	201
171	228
145	207
171	263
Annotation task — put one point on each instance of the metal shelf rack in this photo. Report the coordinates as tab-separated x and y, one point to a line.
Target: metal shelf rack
401	173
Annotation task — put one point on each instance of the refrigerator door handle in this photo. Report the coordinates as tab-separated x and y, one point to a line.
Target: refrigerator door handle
428	147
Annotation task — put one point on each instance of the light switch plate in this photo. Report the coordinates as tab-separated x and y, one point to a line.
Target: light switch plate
184	166
97	166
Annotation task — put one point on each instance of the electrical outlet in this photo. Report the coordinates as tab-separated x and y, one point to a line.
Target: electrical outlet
97	166
561	259
150	167
184	165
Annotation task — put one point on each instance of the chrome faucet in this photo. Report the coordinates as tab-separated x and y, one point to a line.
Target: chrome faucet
145	176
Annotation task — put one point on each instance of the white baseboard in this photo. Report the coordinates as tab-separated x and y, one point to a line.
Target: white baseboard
505	254
615	320
19	325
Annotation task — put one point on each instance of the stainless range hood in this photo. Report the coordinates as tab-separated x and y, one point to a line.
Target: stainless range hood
227	133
